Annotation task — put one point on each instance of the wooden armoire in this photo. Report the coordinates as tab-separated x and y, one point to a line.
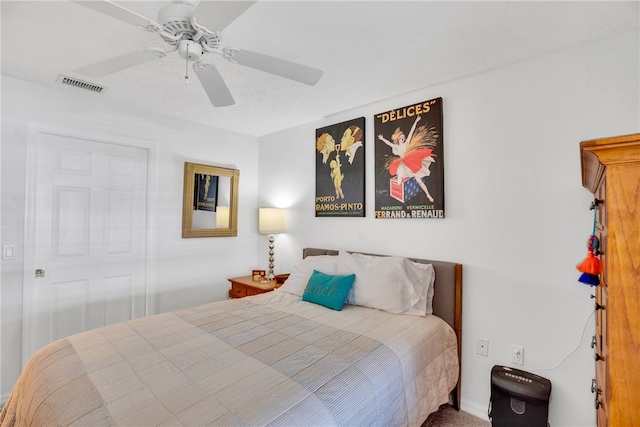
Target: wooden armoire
611	171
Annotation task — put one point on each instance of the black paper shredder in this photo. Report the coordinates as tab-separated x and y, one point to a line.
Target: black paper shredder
518	398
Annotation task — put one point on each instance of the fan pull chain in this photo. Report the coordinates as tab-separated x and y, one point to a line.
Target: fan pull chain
186	67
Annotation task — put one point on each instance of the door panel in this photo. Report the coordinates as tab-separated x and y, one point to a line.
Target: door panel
118	293
71	208
69	304
119	223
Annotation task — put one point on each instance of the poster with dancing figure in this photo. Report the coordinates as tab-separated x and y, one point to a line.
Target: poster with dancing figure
340	169
409	174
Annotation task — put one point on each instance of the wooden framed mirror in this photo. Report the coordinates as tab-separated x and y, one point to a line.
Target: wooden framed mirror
210	201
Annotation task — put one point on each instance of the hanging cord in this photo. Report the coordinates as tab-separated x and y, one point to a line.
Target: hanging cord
186	71
584	328
594	207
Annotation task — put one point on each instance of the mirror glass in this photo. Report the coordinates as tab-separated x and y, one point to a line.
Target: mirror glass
210	205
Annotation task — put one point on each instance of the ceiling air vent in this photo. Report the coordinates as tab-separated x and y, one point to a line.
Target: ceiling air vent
79	84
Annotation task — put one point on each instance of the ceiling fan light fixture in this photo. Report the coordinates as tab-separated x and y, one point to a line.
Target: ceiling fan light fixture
189	50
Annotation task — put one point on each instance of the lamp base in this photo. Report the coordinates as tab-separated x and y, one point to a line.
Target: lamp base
270	274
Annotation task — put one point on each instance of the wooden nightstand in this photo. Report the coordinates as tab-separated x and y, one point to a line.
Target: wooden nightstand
245	286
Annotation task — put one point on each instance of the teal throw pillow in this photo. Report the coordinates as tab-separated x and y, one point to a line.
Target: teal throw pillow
328	290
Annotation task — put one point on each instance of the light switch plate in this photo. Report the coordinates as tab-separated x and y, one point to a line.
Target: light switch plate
8	251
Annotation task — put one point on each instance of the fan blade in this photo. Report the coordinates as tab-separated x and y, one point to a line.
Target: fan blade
217	15
212	82
119	12
279	67
119	63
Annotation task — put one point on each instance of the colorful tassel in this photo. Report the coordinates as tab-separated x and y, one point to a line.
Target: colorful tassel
589	279
590	266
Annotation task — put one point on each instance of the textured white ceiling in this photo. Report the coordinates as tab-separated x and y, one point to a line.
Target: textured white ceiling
369	50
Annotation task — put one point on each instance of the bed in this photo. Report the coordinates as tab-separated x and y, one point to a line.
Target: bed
271	359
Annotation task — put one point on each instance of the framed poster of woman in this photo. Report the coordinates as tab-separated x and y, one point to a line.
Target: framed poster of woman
340	169
409	162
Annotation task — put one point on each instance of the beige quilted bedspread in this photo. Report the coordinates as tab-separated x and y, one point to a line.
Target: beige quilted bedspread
270	360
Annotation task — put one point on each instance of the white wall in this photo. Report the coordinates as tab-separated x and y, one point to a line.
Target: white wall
182	272
517	216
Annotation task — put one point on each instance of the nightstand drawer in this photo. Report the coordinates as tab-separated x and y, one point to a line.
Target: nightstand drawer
237	291
245	286
254	291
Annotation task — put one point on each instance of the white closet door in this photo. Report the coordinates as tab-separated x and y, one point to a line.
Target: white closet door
90	214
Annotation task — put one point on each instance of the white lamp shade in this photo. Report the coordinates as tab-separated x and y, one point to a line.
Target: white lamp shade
222	217
271	221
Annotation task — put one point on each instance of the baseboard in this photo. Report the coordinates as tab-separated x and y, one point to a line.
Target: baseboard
474	409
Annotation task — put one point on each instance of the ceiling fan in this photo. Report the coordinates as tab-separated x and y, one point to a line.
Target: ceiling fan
193	29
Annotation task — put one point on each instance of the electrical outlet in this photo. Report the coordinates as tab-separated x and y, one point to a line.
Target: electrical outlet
517	354
482	346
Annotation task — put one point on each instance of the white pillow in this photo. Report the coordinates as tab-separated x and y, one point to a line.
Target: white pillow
302	269
424	288
385	283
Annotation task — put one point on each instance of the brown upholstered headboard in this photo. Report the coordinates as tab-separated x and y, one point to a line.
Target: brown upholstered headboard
447	297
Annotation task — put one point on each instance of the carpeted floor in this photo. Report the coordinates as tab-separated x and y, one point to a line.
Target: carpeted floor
449	417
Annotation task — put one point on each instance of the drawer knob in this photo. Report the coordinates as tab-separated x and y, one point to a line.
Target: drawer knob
595	203
595	389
